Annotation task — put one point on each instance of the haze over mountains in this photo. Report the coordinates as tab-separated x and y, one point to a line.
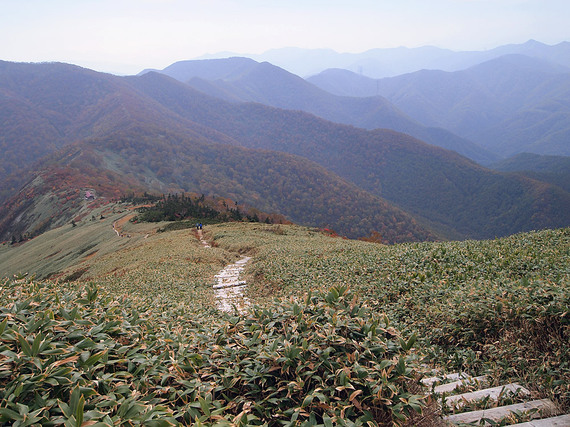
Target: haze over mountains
508	105
378	63
262	136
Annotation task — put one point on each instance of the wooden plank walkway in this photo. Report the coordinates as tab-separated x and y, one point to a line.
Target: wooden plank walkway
541	413
545	407
560	421
492	393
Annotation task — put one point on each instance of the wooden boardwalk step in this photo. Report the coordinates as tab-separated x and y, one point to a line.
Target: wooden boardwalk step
537	408
492	393
545	406
230	285
448	387
560	421
456	376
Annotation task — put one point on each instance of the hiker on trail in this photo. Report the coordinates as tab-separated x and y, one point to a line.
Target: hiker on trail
200	226
197	226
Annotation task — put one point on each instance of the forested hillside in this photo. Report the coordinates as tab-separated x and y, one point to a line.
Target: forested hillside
152	133
552	169
138	159
452	194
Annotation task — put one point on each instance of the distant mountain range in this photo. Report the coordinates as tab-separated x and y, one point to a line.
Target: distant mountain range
508	105
437	186
379	63
244	80
69	128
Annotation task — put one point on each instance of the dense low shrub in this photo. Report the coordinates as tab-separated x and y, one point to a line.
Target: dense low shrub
500	307
71	356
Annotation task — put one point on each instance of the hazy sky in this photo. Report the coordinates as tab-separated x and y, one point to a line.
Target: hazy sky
126	36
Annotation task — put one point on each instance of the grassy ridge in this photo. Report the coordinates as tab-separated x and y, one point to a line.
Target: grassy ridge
498	307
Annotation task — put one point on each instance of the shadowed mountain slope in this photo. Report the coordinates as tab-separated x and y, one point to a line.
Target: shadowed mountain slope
552	169
47	106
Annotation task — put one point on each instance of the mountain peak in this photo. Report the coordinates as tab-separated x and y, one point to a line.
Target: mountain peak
534	43
211	69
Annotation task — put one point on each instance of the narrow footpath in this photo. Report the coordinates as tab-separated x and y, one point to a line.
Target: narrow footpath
202	240
229	290
444	389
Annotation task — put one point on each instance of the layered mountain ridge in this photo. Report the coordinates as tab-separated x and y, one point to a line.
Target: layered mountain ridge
244	80
390	62
508	105
151	132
